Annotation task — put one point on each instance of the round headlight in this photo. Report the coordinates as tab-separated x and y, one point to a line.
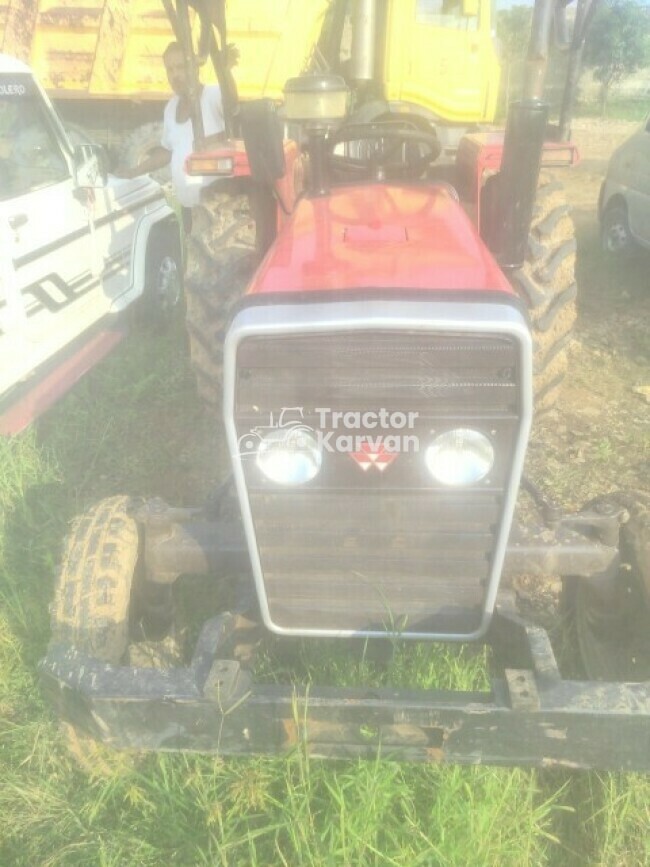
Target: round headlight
290	456
460	457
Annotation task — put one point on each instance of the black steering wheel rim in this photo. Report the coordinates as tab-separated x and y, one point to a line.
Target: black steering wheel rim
378	165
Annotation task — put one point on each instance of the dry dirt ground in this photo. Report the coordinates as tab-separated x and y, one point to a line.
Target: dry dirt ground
599	438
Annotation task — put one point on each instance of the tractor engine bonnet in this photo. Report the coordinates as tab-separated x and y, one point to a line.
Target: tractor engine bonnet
380	236
342	417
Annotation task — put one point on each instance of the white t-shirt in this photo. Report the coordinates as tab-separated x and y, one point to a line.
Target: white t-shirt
179	139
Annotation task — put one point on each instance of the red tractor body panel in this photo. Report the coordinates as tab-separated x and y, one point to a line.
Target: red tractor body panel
379	237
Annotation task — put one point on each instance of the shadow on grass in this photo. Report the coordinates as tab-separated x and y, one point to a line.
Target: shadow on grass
124	429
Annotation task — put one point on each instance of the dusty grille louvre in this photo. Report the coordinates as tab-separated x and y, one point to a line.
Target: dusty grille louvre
370	551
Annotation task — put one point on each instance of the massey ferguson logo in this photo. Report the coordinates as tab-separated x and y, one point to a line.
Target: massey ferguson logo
373	439
376	457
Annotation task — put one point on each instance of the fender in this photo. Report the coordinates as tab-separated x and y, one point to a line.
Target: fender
231	161
479	157
156	214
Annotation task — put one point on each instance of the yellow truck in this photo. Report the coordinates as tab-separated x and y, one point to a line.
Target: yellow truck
436	58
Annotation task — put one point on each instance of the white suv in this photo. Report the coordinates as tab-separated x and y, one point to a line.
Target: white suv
624	204
77	248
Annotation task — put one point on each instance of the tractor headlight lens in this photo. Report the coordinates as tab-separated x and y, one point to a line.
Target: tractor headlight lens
290	456
460	457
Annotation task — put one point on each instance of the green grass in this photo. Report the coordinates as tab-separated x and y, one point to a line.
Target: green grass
618	108
133	427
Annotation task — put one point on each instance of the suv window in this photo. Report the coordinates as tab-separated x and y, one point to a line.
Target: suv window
30	155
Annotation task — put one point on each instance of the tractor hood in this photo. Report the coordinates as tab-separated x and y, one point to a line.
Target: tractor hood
379	237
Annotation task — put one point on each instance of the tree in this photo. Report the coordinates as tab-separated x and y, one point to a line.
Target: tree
513	33
618	43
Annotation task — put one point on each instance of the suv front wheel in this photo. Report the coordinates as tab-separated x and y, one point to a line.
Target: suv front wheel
163	287
615	234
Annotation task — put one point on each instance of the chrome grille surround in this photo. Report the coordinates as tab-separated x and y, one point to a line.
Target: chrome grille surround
431	317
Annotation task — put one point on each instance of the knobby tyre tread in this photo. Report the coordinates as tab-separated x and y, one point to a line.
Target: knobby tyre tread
221	256
93	593
614	635
91	608
547	284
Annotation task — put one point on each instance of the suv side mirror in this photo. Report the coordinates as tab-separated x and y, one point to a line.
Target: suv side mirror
91	165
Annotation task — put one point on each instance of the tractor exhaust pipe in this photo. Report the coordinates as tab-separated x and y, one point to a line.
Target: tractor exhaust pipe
509	202
364	37
510	199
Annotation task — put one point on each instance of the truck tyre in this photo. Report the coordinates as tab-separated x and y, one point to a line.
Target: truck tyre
613	628
547	284
221	256
163	286
137	146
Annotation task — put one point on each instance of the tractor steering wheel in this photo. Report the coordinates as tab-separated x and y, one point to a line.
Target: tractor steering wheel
381	151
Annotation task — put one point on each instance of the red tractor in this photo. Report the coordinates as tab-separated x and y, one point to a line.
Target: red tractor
391	328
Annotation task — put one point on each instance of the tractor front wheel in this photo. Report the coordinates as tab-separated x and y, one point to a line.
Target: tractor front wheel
91	607
547	284
93	591
92	612
613	622
221	256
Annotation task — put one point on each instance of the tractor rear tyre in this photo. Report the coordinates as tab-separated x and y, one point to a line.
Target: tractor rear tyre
613	627
221	256
547	284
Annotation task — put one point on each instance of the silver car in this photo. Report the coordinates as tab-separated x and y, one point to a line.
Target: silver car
624	204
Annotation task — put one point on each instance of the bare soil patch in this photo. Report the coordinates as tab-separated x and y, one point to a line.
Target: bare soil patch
598	438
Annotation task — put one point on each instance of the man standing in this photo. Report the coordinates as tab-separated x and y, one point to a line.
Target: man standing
177	141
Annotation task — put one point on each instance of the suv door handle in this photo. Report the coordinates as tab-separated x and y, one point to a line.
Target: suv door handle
17	220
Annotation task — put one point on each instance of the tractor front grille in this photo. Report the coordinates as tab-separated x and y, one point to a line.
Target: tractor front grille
366	547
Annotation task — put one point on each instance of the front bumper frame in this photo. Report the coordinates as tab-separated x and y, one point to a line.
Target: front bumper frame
530	717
